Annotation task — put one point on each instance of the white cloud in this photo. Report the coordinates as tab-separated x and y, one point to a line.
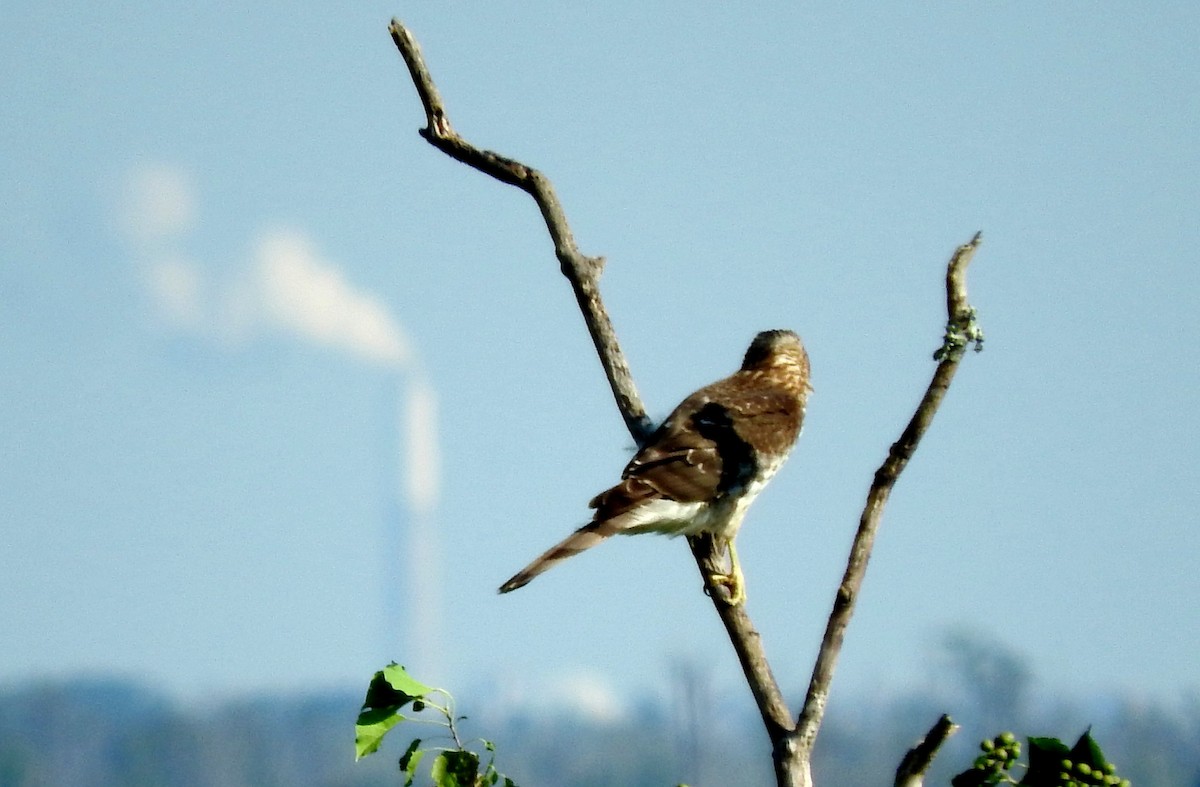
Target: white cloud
307	296
288	286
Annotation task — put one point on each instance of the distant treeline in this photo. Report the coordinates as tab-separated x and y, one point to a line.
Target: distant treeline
99	733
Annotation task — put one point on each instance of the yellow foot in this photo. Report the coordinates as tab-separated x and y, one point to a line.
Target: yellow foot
733	580
737	589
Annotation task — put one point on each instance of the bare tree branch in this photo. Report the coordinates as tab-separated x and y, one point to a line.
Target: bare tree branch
792	742
582	272
917	760
747	644
961	331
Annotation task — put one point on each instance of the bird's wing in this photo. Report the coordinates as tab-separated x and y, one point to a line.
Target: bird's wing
677	463
706	447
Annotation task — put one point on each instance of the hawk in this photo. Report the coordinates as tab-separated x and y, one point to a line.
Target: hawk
703	467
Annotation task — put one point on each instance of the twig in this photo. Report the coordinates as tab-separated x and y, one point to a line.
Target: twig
582	272
961	331
917	760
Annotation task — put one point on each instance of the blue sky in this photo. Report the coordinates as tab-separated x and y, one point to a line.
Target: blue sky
229	267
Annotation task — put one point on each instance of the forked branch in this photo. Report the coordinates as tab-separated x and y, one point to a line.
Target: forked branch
792	742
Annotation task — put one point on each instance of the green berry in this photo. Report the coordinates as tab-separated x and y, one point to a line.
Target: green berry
1006	738
987	745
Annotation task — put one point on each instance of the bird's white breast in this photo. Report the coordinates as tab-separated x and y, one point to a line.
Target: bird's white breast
721	517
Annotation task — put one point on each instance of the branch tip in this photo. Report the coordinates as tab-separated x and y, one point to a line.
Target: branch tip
916	761
962	326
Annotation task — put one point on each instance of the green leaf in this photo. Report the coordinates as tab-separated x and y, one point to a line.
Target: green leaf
370	729
464	765
439	772
390	690
411	760
393	687
1087	750
456	768
1045	762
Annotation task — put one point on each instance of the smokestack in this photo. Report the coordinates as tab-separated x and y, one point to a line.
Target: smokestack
290	288
420	484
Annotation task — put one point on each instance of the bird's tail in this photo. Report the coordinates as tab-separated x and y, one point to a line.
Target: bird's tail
585	537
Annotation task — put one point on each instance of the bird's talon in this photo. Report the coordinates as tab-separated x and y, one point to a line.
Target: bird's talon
737	589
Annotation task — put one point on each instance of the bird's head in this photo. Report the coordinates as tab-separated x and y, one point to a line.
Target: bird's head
779	353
